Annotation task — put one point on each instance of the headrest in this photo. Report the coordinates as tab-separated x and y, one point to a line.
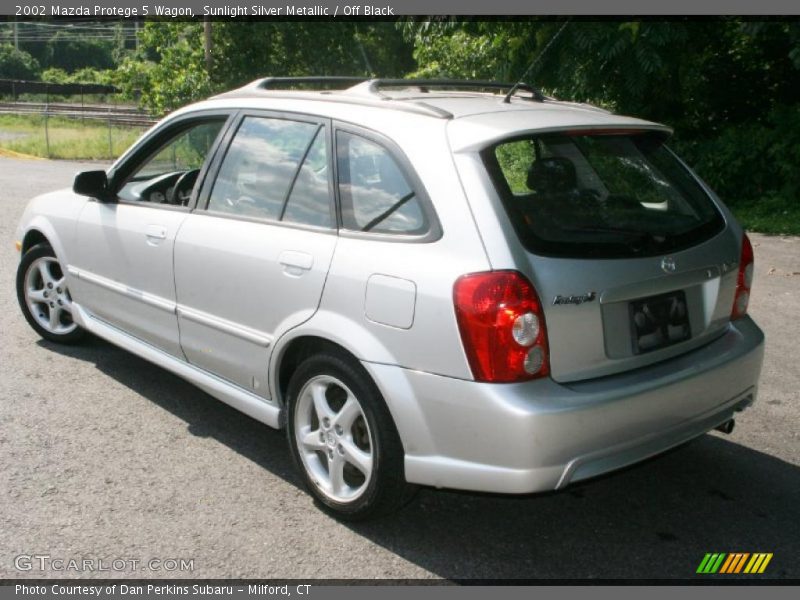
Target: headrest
555	174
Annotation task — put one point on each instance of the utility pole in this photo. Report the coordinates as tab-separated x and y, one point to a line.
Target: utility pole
207	30
16	36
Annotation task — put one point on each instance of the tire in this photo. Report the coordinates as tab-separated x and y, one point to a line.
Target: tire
343	440
44	298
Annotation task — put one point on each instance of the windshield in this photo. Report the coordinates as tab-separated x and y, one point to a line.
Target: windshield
600	194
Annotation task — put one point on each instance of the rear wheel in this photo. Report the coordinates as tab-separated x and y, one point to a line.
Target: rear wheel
343	439
44	297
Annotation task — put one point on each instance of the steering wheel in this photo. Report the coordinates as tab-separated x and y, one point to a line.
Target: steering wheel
182	190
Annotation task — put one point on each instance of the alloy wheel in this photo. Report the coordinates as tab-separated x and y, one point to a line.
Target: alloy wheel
47	296
334	439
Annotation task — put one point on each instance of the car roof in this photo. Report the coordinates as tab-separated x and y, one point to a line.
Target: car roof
477	112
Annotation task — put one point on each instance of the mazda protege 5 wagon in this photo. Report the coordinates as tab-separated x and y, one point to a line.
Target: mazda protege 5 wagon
455	284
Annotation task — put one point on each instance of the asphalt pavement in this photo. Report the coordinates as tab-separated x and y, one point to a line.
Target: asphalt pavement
105	456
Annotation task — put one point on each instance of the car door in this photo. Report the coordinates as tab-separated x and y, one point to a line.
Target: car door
251	261
124	258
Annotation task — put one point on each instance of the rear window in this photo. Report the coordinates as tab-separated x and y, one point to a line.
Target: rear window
375	195
600	194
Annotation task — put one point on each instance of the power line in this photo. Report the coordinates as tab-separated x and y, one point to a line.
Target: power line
37	32
22	37
74	23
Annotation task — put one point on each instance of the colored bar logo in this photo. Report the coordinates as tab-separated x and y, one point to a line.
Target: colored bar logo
734	563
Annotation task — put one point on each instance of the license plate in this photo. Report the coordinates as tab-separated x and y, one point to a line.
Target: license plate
659	321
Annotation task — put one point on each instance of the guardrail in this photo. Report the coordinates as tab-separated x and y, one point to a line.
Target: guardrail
116	114
22	86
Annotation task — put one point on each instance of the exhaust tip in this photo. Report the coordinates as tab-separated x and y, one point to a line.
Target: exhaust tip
727	426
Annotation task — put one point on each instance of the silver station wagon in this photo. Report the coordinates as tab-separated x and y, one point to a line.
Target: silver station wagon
454	284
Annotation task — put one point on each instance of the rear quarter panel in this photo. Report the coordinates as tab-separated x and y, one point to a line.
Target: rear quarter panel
429	340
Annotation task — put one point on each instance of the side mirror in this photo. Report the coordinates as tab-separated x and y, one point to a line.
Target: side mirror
93	184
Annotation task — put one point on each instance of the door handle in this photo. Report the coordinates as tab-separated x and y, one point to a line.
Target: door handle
295	263
156	232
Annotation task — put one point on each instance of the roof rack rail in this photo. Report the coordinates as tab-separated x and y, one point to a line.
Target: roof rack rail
375	85
332	81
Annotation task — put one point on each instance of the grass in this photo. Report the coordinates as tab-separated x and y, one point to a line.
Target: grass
772	215
68	138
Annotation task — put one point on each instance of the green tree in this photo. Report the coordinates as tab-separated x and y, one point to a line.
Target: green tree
729	87
170	69
686	72
17	64
72	51
245	51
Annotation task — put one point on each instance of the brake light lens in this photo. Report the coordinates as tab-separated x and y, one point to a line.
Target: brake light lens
502	326
744	280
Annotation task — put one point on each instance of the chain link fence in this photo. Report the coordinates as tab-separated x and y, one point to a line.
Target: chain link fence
74	121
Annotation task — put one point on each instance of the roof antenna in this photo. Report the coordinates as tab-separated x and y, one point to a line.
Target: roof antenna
363	53
541	54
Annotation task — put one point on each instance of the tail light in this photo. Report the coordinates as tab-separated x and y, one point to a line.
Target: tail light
502	326
744	280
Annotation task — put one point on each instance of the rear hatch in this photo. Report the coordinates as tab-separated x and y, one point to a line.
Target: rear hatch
630	255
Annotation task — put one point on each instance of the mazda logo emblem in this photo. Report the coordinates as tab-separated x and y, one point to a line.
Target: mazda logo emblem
668	264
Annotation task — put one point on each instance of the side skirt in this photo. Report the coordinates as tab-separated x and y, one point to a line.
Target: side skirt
230	394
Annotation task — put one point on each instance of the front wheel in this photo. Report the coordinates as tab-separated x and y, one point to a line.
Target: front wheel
343	439
44	297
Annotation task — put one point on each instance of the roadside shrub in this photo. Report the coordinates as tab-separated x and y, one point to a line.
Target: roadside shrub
752	160
85	75
17	64
73	51
54	75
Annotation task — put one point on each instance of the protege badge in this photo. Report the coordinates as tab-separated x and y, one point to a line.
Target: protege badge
589	297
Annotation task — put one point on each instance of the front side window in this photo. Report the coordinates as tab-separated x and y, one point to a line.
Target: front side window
275	169
375	194
168	175
600	194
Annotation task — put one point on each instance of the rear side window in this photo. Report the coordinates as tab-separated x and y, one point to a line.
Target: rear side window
275	169
601	195
375	194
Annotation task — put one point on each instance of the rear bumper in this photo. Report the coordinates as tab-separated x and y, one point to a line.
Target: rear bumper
542	435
